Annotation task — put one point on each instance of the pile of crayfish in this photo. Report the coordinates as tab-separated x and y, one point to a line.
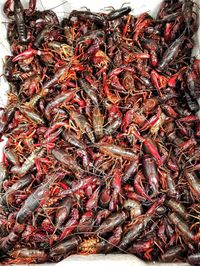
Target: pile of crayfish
102	151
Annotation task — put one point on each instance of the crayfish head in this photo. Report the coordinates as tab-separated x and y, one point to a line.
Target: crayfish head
101	59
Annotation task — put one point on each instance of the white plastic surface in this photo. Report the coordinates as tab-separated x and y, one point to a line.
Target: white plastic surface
63	8
110	260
